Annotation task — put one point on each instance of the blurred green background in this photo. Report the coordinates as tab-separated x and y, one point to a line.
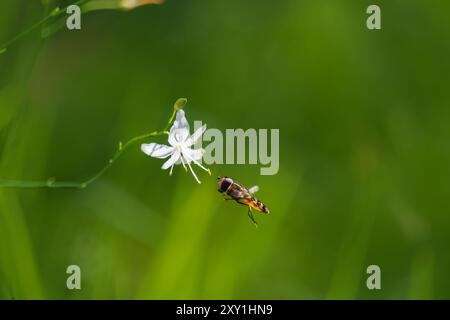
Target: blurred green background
364	151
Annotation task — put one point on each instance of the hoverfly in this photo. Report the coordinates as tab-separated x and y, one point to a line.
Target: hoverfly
242	195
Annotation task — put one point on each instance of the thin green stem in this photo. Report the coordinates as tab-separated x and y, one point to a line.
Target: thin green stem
53	14
52	183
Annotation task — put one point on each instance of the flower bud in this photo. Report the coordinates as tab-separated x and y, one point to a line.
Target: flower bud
117	4
131	4
180	103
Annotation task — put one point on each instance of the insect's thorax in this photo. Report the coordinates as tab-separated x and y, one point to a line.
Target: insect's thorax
236	188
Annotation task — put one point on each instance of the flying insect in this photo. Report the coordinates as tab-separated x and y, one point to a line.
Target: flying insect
237	192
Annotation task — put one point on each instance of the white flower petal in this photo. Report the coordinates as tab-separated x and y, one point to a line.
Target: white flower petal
180	121
178	136
195	136
175	156
179	131
157	150
196	154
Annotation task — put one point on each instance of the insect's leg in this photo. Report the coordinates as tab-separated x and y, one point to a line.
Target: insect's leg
250	215
227	198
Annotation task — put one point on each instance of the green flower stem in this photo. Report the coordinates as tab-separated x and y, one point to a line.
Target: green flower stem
52	183
53	14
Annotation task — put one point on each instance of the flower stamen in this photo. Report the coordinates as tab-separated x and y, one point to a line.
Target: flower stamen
196	162
193	173
182	162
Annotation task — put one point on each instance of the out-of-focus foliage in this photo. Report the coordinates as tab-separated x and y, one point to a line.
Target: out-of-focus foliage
364	141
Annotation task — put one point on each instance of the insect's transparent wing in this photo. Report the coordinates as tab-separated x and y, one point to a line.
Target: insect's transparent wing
253	189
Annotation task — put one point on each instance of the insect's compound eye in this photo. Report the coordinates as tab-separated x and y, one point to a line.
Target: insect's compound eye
225	184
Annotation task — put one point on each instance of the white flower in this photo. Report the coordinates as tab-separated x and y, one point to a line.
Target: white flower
180	150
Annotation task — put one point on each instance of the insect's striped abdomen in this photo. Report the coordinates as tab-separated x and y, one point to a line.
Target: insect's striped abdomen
255	204
260	206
